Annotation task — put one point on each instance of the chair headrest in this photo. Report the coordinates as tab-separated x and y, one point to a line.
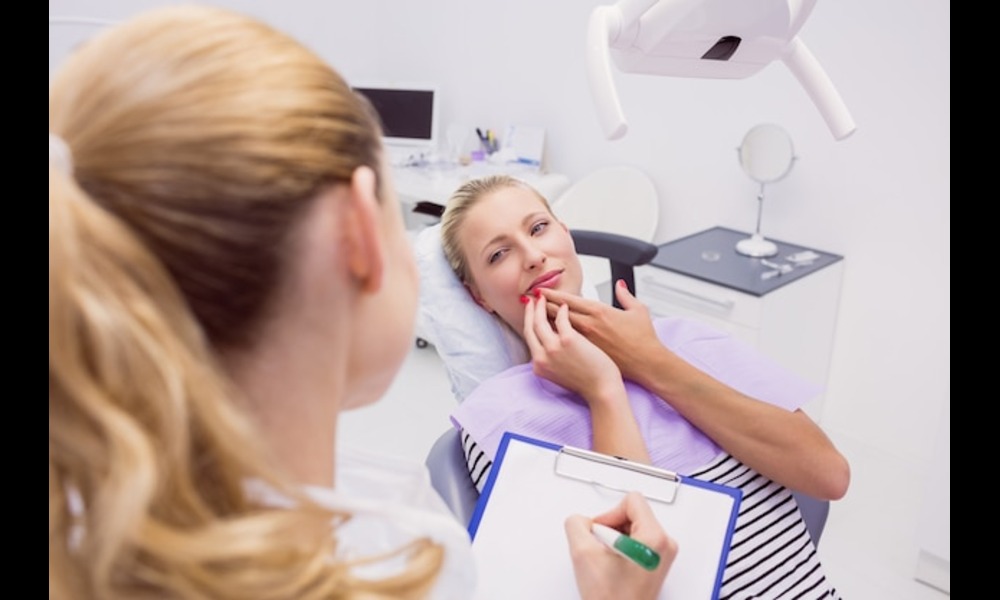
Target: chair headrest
473	344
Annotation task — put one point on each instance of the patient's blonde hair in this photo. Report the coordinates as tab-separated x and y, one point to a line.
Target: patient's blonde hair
198	139
457	209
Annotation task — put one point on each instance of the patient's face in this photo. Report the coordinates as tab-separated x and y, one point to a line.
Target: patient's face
513	245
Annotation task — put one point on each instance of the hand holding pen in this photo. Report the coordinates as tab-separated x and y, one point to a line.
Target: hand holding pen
602	572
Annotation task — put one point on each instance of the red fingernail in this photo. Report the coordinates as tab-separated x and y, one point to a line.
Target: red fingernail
538	292
525	299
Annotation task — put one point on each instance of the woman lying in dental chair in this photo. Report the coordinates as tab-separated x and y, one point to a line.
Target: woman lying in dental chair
670	392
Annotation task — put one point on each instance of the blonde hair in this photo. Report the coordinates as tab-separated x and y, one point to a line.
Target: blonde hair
198	138
457	209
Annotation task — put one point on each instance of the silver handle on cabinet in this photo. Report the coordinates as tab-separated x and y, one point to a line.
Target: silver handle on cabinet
722	305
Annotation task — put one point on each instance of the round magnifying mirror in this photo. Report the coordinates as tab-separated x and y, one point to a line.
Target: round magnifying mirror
766	155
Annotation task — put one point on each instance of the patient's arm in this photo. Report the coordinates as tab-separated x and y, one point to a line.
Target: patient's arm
560	354
786	446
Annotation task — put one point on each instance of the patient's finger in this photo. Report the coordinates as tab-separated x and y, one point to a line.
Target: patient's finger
580	319
577	304
538	334
555	299
530	339
563	325
625	297
543	329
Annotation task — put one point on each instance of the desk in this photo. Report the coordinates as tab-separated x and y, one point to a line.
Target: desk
790	317
436	182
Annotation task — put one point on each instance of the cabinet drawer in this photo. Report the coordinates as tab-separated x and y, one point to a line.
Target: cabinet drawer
667	293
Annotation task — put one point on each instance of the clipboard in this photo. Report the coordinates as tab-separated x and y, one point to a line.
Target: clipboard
517	527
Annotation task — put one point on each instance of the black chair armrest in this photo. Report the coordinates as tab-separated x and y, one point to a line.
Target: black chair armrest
625	253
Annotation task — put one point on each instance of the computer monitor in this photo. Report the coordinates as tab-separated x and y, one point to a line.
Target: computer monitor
409	114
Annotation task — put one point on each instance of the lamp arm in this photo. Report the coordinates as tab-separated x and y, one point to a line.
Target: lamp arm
618	25
604	25
804	66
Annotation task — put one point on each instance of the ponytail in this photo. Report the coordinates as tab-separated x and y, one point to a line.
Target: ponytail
131	381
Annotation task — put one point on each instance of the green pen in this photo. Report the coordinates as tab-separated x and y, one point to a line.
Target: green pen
637	552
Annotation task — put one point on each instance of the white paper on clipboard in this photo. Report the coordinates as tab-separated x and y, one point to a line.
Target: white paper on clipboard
517	529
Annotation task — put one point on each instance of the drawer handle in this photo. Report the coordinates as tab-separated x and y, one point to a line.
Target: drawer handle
723	305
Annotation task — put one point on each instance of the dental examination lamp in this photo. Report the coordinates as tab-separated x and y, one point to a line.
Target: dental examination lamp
713	39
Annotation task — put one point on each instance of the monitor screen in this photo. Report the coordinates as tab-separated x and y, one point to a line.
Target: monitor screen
408	113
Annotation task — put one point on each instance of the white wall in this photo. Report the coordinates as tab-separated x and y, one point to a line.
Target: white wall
881	198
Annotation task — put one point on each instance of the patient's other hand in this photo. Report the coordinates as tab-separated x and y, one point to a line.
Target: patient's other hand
626	335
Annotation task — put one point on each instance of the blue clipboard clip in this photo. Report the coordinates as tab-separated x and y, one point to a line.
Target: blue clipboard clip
616	473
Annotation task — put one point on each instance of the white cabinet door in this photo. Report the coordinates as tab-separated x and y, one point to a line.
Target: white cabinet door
793	325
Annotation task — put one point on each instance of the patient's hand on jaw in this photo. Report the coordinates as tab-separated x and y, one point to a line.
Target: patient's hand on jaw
626	335
560	354
569	359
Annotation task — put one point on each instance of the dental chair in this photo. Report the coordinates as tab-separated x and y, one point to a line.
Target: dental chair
445	461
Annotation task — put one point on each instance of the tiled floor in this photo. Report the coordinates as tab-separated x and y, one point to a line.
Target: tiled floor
869	545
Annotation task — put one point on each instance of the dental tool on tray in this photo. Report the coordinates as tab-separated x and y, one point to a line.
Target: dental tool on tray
776	269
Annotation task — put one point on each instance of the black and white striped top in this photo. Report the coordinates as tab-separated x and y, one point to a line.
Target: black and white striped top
771	557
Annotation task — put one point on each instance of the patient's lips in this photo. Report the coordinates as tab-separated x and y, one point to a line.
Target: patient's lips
547	280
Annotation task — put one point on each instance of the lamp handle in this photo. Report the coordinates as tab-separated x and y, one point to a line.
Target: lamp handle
604	24
804	66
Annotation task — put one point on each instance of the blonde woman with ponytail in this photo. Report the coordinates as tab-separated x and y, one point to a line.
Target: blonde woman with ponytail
228	271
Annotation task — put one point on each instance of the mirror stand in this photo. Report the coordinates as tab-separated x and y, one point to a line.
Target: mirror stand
755	245
766	155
